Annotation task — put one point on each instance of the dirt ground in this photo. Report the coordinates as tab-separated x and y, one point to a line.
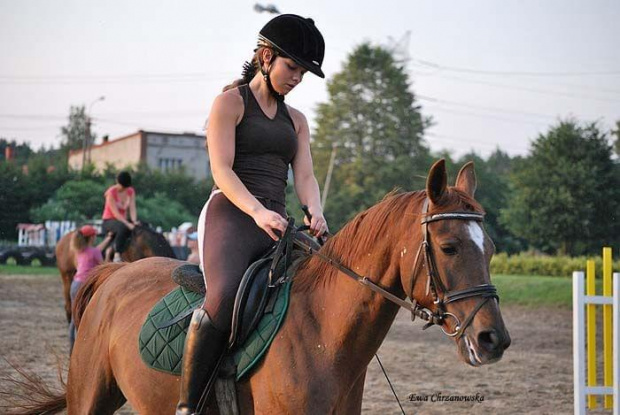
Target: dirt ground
534	377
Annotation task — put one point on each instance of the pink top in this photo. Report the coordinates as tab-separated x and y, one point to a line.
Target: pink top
88	259
122	207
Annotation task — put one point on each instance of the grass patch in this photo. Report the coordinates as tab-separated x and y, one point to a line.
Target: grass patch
536	291
526	290
27	270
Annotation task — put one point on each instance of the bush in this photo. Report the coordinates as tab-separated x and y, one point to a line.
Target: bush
160	210
74	200
556	266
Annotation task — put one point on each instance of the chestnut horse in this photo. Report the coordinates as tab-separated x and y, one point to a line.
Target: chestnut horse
144	243
334	326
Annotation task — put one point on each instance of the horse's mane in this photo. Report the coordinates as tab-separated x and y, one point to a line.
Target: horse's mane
362	232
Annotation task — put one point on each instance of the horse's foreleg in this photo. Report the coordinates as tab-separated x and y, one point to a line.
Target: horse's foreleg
352	403
67	278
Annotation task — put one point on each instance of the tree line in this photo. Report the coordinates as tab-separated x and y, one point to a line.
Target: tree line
562	197
35	192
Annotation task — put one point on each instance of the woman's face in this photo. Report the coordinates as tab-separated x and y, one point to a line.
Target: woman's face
285	75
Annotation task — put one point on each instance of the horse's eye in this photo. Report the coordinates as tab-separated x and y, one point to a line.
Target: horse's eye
448	249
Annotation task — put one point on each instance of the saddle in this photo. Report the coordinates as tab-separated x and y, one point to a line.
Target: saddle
259	310
258	288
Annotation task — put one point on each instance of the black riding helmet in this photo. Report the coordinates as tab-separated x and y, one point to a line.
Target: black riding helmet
297	38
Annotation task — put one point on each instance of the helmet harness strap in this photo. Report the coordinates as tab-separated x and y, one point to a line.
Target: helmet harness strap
267	78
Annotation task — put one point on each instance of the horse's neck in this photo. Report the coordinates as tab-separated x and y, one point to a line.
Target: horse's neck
345	318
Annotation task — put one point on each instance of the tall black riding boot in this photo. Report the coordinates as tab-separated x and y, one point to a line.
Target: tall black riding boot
204	346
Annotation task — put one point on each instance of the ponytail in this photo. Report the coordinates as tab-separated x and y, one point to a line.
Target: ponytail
249	70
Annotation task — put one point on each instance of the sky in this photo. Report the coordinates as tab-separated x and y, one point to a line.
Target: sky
492	74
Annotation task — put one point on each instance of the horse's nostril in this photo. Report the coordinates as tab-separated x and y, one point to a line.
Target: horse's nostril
488	340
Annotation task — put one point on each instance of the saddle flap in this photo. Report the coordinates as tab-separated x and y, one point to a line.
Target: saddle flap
260	281
250	301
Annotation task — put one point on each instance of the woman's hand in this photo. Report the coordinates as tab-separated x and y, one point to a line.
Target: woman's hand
130	225
270	221
318	224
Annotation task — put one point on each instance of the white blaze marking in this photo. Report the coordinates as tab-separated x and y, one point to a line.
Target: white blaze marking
475	231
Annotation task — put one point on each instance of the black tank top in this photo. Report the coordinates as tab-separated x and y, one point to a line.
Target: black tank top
264	148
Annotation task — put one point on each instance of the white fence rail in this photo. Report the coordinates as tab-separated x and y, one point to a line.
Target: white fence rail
580	301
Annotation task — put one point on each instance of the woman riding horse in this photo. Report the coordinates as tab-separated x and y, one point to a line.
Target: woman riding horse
120	198
428	246
253	137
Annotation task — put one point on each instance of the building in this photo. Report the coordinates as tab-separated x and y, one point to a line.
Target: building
163	151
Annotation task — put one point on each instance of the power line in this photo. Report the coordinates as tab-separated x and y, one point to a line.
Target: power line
2	129
158	114
477	143
609	91
33	117
88	77
140	125
493	109
113	79
438	66
528	89
491	117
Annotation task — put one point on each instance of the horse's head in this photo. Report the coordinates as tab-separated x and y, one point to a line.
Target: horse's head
146	242
451	270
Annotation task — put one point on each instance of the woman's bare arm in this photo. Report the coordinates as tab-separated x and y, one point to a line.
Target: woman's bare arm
133	213
306	186
106	241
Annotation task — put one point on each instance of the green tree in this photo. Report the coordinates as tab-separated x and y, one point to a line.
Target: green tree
176	185
376	127
616	133
565	195
13	203
24	187
160	210
77	200
492	192
74	133
21	152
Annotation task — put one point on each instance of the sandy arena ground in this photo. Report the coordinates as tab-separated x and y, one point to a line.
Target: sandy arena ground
534	377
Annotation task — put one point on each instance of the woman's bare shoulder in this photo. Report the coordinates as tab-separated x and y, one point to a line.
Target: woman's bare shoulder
298	117
229	100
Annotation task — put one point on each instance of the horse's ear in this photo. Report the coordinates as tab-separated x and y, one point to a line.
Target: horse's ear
466	179
437	181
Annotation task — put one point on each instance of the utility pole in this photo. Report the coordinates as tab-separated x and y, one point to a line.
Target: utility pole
88	136
328	178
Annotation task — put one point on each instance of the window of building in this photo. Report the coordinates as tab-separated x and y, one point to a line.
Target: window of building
169	164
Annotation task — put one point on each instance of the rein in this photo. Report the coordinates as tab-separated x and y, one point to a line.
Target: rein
438	317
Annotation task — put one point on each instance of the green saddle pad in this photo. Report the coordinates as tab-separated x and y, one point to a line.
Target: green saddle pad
162	348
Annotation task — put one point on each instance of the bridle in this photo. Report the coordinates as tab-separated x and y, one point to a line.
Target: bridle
434	284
